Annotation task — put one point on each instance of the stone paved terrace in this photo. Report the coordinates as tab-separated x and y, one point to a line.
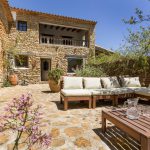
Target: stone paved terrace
70	130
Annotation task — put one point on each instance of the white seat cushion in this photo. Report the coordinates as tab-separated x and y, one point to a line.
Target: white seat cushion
73	83
136	88
97	92
145	92
130	82
123	90
112	91
76	92
110	82
92	83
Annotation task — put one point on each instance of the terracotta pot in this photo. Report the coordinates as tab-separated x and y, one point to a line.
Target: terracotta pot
54	87
13	79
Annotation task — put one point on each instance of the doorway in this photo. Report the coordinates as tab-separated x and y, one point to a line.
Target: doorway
45	67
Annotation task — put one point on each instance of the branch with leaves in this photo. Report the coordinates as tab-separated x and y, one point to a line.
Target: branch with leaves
139	18
22	119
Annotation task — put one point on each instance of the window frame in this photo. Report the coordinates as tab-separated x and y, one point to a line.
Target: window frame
67	40
21	66
74	58
22	26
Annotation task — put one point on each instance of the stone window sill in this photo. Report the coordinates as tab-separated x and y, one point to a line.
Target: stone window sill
59	45
71	74
21	68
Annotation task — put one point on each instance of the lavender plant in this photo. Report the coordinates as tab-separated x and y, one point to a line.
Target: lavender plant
23	119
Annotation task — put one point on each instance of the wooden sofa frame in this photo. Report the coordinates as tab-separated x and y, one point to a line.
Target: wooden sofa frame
92	99
114	98
101	97
74	98
66	99
142	96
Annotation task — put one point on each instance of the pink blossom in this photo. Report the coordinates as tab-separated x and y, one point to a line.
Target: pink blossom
22	118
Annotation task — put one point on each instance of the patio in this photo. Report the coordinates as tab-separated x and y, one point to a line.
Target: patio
75	129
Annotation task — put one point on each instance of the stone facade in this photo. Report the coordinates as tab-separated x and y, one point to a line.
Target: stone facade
5	22
28	44
4	27
5	15
2	33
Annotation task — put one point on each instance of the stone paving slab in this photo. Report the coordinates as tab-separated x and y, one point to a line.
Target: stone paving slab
70	130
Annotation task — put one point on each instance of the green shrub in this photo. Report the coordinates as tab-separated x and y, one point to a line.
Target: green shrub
6	83
118	64
90	71
55	74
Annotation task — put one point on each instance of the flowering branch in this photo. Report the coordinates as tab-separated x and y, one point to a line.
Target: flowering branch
21	118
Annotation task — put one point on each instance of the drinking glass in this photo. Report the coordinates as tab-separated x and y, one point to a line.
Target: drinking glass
146	112
140	109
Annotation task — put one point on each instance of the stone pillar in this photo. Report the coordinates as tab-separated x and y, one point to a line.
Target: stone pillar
92	43
1	62
2	34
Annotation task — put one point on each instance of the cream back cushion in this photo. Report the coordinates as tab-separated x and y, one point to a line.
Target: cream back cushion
110	82
73	83
130	82
92	83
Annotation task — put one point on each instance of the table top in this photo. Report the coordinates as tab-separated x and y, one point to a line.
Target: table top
140	125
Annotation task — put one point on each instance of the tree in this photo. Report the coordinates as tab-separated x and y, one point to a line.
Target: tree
138	18
138	42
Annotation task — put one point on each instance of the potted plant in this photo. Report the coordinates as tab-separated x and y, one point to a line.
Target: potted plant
13	78
54	79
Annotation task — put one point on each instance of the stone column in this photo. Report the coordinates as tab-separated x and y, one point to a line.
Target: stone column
2	33
92	43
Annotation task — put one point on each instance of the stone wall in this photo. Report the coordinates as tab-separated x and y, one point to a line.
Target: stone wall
145	81
2	35
5	24
28	44
3	17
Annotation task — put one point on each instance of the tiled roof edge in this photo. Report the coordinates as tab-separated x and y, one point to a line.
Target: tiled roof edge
54	15
9	15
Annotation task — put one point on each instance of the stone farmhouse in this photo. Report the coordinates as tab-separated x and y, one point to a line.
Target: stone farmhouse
43	41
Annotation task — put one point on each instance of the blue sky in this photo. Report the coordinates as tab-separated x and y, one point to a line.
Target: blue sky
110	29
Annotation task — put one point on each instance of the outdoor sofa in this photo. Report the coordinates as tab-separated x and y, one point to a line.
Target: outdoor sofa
92	89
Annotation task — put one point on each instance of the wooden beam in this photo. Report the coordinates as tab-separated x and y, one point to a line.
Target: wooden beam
78	30
63	28
73	30
68	29
51	27
57	28
45	26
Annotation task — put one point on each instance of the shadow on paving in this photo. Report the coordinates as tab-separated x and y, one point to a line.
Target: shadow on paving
81	104
117	139
72	105
84	104
47	92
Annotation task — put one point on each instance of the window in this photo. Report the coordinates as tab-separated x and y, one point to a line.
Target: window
21	61
74	63
67	40
22	25
45	65
46	38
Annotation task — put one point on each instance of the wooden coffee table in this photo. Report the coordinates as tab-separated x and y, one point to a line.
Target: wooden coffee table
139	129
